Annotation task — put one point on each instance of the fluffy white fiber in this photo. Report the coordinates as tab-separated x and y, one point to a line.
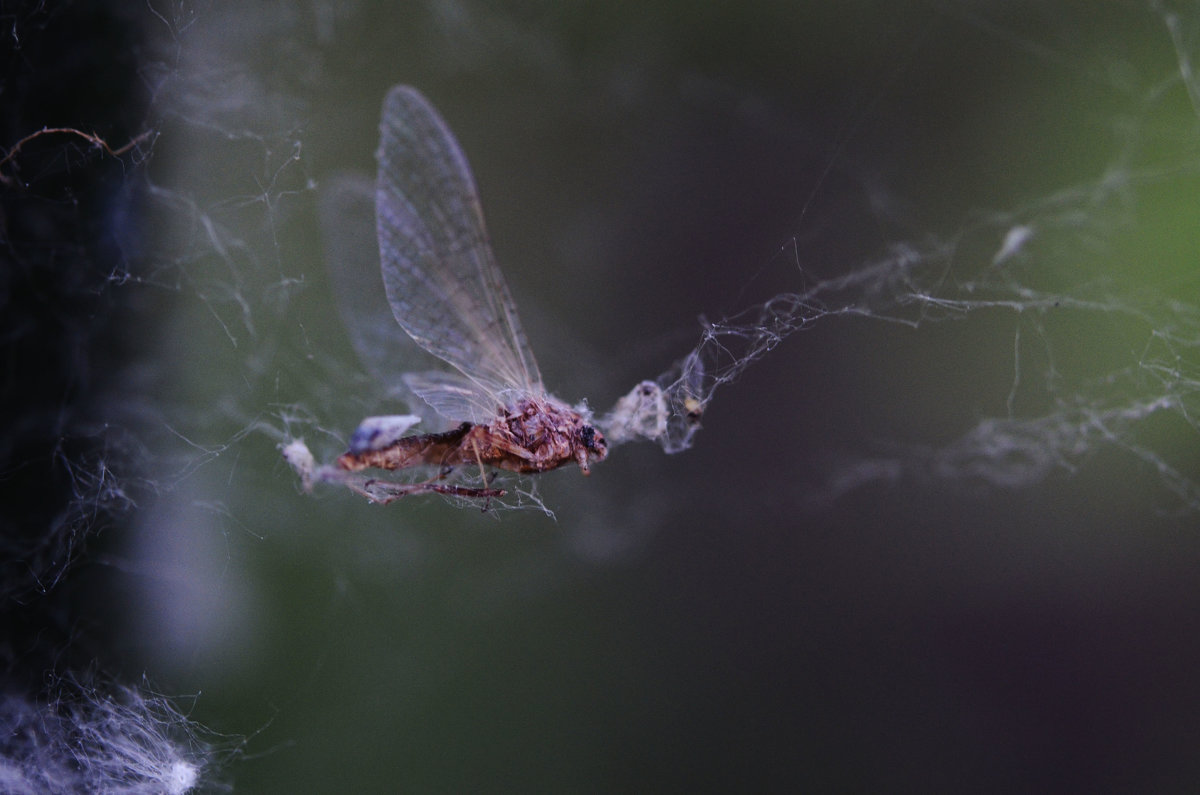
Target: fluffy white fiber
121	742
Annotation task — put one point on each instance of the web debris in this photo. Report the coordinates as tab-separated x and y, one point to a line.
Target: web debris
84	740
914	287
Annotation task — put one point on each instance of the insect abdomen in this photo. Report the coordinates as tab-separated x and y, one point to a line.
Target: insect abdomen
409	451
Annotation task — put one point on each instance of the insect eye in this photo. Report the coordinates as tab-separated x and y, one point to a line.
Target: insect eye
591	439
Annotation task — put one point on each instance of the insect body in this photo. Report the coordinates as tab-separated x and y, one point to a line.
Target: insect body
539	436
447	293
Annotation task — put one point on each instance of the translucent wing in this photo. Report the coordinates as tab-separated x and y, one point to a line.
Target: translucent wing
438	270
346	209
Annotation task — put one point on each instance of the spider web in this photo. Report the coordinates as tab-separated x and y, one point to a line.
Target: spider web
952	280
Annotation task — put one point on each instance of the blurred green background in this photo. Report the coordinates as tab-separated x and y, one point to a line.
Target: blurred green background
728	619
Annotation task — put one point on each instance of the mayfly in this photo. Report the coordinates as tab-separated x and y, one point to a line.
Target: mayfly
446	292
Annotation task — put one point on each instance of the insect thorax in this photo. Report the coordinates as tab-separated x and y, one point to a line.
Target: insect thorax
544	434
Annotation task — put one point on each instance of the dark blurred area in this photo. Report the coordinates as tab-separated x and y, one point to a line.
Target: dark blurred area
67	240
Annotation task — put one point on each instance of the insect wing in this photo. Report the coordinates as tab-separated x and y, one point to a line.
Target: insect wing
346	209
439	273
450	395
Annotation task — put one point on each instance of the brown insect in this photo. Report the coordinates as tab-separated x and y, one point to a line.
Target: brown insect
447	293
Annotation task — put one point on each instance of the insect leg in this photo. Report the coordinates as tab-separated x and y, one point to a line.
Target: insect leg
479	460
